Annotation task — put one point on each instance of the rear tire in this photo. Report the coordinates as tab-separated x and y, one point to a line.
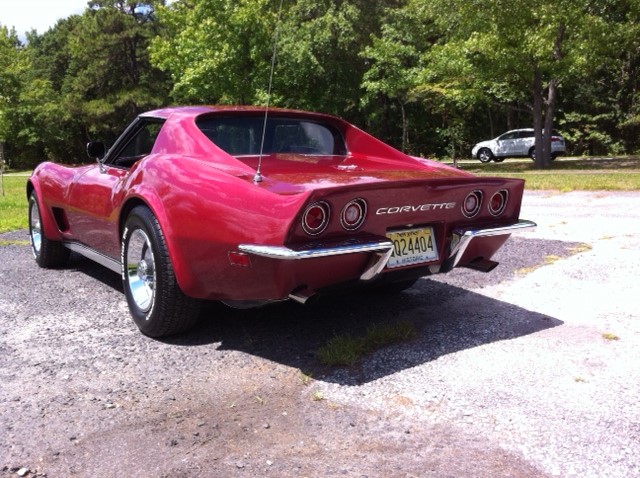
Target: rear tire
48	254
485	155
157	304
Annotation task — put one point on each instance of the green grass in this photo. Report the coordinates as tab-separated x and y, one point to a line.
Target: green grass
345	350
13	204
567	174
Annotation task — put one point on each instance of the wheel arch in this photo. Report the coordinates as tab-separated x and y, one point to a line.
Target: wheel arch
49	226
155	205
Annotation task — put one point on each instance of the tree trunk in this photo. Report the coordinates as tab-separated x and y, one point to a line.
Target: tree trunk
536	89
405	128
548	121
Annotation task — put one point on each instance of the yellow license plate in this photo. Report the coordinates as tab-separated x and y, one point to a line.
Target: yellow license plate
412	246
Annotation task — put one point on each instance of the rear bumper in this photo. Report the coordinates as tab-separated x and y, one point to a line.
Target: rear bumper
467	245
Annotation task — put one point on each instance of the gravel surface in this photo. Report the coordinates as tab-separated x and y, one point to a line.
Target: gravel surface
532	370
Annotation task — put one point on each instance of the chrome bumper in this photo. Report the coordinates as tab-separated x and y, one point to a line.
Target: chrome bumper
462	238
383	249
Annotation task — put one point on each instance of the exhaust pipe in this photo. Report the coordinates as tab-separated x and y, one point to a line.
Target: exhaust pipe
302	295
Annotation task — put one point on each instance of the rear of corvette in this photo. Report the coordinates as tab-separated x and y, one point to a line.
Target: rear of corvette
384	233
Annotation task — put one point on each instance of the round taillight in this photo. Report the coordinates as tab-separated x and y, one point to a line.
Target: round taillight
315	218
472	203
353	214
498	202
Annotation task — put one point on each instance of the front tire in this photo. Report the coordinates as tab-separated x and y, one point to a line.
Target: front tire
485	155
156	302
48	254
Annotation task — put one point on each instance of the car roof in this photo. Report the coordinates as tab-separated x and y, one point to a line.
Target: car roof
194	111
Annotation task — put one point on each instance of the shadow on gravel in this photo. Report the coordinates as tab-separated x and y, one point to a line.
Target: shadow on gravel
448	317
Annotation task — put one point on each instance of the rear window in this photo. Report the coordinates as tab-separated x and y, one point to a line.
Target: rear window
241	135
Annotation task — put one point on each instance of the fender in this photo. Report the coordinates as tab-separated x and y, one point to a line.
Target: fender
48	222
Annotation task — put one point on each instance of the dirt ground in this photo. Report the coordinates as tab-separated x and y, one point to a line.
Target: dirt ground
510	376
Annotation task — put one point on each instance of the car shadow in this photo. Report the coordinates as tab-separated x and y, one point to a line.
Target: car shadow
447	319
447	316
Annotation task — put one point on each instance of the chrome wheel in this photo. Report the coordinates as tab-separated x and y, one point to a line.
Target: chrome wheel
141	270
157	304
35	228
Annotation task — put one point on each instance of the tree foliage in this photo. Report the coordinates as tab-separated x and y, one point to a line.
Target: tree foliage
429	76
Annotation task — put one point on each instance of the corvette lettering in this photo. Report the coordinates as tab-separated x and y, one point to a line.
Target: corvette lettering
416	208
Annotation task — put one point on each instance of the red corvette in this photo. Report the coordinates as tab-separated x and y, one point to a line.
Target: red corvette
231	204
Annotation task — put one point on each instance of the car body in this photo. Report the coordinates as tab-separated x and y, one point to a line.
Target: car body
517	143
190	204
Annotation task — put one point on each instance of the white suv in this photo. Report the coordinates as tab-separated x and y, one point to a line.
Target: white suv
513	144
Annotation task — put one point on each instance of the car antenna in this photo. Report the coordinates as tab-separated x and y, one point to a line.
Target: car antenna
257	178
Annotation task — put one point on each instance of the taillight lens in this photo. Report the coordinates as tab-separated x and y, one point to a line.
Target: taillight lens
353	214
472	203
315	218
498	202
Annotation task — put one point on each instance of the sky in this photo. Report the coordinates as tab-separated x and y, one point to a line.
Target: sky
39	14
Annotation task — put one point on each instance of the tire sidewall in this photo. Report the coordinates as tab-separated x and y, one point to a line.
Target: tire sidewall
33	203
138	220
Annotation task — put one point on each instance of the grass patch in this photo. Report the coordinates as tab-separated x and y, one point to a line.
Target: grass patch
567	174
16	242
584	247
13	204
345	350
610	336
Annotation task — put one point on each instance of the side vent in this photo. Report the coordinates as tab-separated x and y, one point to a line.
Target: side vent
61	219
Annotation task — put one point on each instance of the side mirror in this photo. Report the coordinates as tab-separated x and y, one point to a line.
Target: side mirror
96	149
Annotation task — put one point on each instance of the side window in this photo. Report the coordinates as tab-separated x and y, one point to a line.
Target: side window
140	145
526	134
507	136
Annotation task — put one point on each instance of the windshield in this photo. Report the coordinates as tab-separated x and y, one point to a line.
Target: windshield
241	135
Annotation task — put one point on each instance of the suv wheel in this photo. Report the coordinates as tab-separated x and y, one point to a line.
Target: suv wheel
485	155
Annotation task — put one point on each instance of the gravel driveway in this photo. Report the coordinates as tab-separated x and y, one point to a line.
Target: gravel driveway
532	370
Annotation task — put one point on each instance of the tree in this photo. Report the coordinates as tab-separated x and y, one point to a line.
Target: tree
12	68
216	51
520	47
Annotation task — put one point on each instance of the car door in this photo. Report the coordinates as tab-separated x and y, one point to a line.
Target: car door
523	142
506	144
96	195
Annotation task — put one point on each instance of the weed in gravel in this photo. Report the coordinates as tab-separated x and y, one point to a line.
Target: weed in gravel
551	259
610	336
584	247
317	396
305	378
345	350
4	243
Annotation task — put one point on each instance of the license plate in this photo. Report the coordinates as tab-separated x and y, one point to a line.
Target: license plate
412	246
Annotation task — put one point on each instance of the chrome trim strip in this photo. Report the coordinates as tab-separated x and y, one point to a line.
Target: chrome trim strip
92	254
463	237
284	253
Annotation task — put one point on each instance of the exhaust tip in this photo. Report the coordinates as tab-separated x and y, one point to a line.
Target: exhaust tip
302	295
